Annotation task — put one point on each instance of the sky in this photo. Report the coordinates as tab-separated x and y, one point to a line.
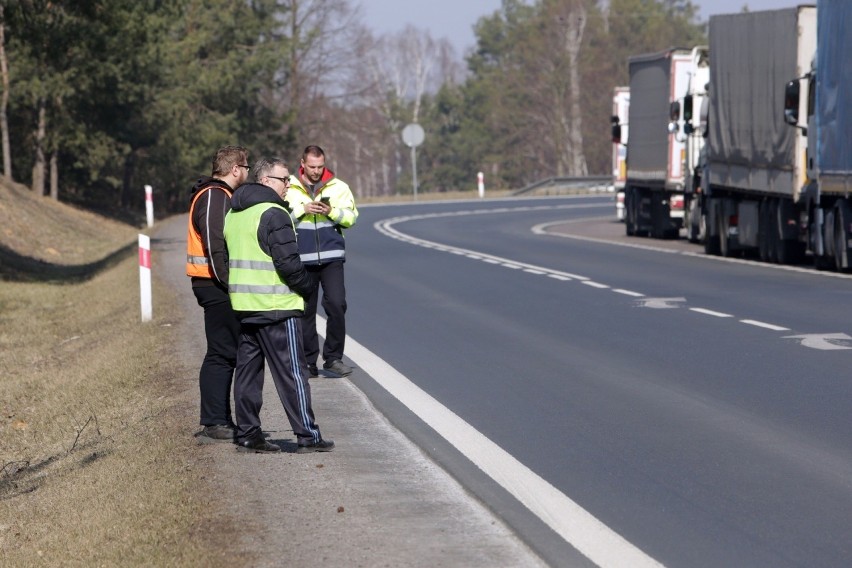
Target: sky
454	19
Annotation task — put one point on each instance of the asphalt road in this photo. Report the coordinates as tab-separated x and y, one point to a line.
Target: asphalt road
696	408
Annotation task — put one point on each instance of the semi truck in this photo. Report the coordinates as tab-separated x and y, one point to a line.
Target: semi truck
819	105
654	187
688	113
620	133
755	170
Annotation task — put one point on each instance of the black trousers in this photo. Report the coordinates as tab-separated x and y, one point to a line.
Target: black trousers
330	277
217	370
279	344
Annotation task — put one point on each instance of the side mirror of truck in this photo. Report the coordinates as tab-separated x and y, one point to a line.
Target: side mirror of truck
687	115
616	130
791	102
674	111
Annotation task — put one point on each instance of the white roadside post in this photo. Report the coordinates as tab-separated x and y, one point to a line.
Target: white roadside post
413	136
145	276
149	204
480	184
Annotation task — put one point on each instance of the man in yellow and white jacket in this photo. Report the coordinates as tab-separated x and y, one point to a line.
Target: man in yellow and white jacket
323	207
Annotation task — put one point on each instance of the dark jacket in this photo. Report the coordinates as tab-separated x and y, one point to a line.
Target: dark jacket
208	218
277	238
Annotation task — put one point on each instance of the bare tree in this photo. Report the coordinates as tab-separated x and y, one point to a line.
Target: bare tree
4	102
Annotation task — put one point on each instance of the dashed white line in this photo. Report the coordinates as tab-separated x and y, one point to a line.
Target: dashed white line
595	284
711	313
628	293
765	325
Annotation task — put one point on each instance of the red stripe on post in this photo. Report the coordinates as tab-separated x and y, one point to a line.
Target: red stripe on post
144	258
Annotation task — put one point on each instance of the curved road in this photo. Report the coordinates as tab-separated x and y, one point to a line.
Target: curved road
649	404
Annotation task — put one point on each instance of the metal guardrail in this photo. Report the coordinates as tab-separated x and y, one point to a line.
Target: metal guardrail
572	181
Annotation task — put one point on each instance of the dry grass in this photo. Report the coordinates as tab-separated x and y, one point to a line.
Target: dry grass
96	466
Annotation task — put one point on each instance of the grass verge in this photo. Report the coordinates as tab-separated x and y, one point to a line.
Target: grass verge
96	466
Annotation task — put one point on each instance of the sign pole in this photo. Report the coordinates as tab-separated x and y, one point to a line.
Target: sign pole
413	137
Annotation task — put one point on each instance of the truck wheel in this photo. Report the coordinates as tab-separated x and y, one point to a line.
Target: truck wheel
629	212
763	232
693	231
841	238
724	242
773	236
786	251
711	242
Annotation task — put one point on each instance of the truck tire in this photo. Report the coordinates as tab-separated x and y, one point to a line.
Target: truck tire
693	230
629	212
711	242
724	241
841	237
788	251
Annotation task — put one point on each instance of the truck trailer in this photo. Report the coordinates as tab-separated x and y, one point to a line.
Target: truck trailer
755	164
654	188
825	208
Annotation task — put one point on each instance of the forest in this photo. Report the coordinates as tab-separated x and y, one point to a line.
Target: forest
102	97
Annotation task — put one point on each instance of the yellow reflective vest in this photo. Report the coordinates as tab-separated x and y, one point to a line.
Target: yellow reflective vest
254	285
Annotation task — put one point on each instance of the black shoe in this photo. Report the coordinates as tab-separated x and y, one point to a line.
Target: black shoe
216	433
258	446
313	371
338	368
321	446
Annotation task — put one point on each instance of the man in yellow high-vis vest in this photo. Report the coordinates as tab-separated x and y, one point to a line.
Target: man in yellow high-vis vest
267	283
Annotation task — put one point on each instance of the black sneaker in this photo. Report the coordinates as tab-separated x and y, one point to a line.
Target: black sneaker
321	446
338	368
313	372
258	446
215	434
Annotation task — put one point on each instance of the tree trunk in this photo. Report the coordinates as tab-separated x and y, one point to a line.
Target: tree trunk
39	163
4	103
54	176
573	41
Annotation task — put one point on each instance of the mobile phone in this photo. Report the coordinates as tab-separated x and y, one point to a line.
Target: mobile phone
325	200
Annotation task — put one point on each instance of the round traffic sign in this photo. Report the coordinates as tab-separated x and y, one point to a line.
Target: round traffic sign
413	135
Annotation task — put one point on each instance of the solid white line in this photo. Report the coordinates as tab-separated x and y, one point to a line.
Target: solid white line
765	325
711	313
575	525
628	293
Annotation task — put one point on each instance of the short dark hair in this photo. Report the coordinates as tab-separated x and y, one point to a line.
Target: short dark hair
313	150
227	157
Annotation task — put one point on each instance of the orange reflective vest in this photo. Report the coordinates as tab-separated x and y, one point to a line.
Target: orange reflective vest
197	263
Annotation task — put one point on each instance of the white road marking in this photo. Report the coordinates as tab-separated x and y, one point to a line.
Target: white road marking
824	341
385	227
765	325
575	525
661	303
627	292
711	313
